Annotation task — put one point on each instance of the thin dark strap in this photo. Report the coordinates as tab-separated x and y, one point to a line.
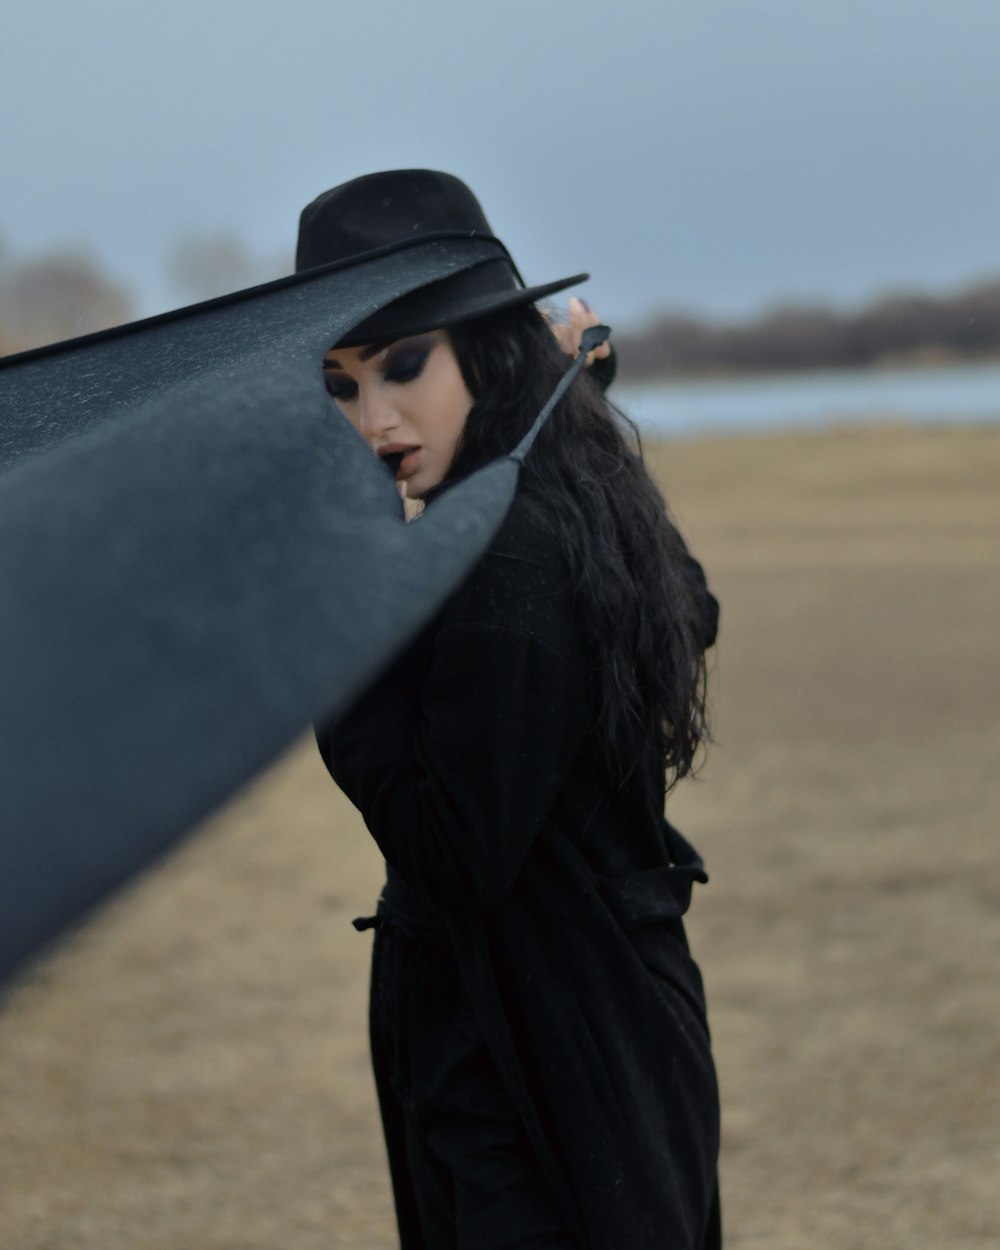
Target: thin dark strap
592	337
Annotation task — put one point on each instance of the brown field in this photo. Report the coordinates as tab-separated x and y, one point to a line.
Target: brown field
191	1071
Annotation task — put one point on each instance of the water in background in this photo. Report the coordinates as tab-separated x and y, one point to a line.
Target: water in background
758	403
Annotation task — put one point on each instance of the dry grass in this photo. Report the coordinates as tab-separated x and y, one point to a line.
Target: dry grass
191	1070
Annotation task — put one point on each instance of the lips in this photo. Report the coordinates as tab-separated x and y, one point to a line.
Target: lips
399	458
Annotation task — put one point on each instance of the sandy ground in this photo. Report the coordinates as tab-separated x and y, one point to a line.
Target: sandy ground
191	1070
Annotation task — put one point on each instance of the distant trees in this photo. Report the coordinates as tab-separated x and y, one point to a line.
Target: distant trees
61	295
895	328
65	294
203	266
54	297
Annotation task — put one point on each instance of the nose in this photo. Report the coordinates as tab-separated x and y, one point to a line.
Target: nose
377	414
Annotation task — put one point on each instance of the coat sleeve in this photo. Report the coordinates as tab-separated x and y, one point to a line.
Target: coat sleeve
455	780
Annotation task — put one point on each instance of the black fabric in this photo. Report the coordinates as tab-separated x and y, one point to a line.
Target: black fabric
467	1160
198	559
476	765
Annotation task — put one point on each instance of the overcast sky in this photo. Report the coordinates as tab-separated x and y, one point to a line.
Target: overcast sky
716	156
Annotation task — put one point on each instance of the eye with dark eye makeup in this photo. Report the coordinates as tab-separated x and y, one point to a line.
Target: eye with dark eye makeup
400	363
406	363
340	388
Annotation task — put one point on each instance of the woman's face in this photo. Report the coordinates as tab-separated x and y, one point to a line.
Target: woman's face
408	397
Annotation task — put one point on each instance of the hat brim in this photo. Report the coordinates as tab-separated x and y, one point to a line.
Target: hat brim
375	280
446	303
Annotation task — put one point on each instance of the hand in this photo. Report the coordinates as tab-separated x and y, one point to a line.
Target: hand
581	315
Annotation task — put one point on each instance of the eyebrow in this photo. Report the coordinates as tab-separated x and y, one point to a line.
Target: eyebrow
366	354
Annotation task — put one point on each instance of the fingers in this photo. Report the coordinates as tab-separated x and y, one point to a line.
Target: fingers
569	332
581	316
563	334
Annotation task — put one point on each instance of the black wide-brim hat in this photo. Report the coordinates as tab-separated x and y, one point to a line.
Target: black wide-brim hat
398	209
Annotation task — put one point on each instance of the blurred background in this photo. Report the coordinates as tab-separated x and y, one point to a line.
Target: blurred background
755	188
789	212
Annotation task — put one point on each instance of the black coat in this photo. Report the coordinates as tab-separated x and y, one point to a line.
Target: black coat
476	766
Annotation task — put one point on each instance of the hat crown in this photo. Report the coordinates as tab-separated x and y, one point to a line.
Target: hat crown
361	221
387	209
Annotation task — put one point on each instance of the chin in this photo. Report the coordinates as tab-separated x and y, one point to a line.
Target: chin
417	487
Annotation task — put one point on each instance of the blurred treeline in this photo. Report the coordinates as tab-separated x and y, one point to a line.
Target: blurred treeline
896	329
63	294
54	297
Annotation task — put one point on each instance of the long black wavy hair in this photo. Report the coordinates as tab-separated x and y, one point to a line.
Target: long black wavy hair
646	613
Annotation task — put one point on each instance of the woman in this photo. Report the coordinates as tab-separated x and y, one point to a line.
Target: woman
538	1027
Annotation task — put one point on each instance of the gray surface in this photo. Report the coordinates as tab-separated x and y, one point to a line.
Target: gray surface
191	579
